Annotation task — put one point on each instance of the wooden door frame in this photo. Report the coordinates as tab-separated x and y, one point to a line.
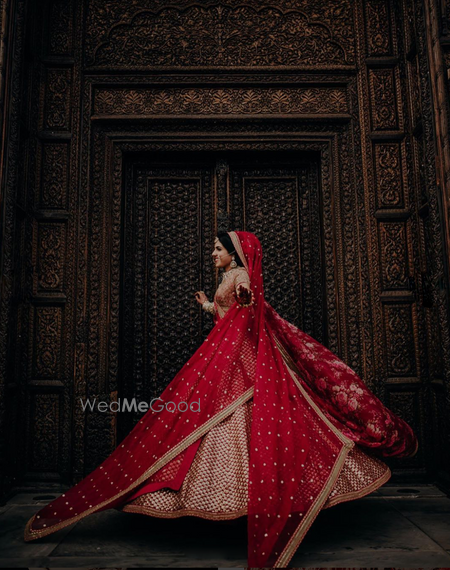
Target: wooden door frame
349	316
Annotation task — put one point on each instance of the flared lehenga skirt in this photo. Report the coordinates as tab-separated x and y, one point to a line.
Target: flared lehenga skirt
215	486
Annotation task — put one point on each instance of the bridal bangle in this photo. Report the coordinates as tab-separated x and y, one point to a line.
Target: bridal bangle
208	306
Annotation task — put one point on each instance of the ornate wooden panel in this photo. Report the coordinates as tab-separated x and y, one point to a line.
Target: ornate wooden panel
100	106
168	207
257	33
281	204
219	101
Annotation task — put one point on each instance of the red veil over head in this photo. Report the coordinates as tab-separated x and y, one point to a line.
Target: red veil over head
309	410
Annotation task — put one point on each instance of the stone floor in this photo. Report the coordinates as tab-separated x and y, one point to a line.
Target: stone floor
394	527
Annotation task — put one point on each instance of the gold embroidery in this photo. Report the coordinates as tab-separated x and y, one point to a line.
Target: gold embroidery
360	475
223	297
216	484
34	534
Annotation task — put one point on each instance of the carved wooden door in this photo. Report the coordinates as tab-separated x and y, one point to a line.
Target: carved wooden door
102	249
171	204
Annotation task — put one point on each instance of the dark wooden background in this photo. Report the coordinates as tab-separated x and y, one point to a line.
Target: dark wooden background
133	133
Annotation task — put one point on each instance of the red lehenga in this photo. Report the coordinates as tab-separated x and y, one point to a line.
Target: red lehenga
280	433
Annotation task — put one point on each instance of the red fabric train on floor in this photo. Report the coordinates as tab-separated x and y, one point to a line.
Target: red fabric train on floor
309	411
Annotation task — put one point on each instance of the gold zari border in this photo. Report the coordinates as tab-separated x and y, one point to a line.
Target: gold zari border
361	493
151	511
291	547
237	244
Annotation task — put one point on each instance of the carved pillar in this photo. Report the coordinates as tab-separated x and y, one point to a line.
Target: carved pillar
436	40
435	15
42	344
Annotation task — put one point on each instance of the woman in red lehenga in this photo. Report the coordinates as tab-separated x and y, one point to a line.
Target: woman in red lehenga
264	422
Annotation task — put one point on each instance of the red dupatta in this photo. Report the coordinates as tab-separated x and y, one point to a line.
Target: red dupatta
306	418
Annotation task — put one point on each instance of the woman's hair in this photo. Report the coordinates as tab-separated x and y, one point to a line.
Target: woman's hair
225	240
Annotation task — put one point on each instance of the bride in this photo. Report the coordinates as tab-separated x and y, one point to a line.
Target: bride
281	429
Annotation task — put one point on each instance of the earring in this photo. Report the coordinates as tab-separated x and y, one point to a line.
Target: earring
233	264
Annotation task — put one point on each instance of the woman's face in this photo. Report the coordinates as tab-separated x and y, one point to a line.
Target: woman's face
220	255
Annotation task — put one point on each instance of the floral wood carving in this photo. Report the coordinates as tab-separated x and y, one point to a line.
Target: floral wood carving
236	101
389	180
44	426
52	241
57	104
379	34
228	34
54	175
400	341
393	255
384	104
60	28
48	325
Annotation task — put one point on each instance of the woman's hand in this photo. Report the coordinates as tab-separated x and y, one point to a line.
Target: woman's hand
200	297
244	296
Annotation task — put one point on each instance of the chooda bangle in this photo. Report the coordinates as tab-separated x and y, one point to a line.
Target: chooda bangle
208	306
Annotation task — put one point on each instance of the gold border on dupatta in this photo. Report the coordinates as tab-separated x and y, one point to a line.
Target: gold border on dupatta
30	535
291	547
237	245
321	500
